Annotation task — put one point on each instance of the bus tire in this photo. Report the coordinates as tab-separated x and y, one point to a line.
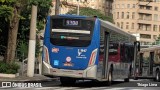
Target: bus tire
109	82
157	76
65	81
126	80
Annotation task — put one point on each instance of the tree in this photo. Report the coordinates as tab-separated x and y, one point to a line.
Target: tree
23	33
10	11
91	12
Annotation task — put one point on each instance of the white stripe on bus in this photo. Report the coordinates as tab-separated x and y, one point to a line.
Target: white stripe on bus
71	31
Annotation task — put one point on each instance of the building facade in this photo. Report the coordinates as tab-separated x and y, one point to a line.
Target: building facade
105	6
138	17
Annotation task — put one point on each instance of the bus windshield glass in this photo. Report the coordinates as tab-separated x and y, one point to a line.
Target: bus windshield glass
71	32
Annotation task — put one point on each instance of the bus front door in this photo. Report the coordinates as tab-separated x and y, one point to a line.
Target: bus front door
105	61
151	59
141	64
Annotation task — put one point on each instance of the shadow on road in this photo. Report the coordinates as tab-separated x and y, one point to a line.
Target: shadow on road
87	84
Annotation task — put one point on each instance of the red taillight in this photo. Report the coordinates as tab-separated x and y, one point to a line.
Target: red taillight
92	58
46	55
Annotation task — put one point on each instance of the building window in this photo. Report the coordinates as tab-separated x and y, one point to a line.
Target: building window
103	1
154	36
123	6
141	7
114	15
156	8
134	6
146	36
122	15
118	6
118	24
117	15
155	17
155	28
127	15
148	17
128	5
121	25
140	26
127	25
132	26
133	15
148	27
140	17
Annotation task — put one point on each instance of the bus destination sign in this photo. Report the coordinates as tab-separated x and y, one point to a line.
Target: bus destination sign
72	22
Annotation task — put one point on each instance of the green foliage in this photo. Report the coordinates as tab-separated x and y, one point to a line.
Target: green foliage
7	8
157	42
42	12
91	12
9	68
8	1
22	50
6	12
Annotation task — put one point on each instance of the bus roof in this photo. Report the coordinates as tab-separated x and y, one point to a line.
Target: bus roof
71	15
113	27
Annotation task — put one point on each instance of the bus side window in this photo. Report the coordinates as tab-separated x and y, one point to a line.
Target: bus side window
126	53
132	52
121	52
101	53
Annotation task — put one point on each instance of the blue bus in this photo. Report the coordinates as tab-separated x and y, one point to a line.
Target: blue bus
81	47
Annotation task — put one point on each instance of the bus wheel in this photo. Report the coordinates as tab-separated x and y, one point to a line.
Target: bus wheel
109	82
126	80
67	81
158	76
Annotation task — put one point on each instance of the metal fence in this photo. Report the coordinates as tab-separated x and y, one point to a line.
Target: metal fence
24	66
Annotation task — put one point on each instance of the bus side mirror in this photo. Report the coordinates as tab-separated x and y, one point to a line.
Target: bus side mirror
138	43
138	46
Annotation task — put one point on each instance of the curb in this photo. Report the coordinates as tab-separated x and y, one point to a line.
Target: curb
38	79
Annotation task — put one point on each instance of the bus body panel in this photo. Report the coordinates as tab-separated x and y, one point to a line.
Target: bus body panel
74	58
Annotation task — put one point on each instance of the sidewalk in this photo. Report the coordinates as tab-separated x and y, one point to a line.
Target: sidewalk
35	78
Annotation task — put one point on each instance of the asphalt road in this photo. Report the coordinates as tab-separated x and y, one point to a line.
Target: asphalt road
142	84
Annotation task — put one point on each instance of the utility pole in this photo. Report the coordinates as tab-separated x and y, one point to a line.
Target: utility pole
32	43
78	1
57	7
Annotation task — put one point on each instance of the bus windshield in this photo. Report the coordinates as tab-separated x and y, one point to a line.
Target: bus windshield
71	32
